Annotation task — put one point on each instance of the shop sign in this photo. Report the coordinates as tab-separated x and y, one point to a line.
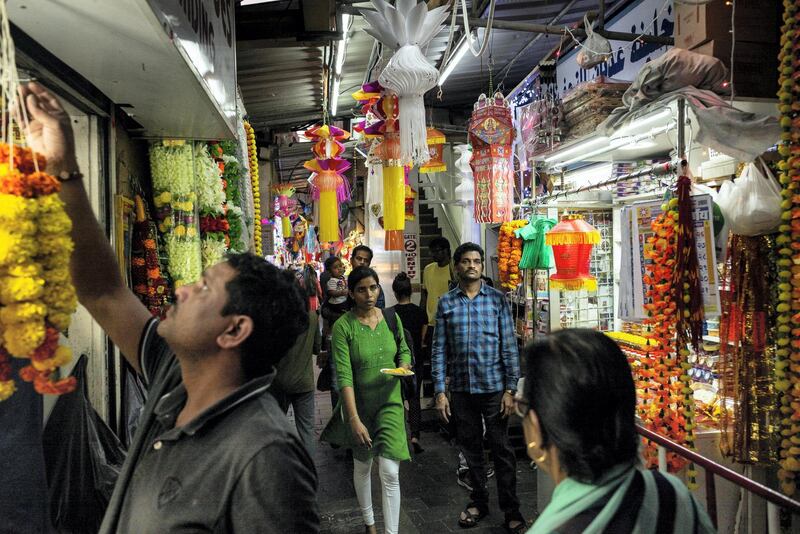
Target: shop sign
411	249
646	16
205	33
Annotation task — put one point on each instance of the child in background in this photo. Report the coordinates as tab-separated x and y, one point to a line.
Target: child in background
336	290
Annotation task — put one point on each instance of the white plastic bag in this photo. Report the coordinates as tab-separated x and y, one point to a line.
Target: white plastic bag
752	203
594	50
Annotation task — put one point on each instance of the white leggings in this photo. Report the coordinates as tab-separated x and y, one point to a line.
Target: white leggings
389	471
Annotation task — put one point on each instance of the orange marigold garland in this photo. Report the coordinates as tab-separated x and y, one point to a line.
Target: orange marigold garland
148	283
37	298
660	407
509	252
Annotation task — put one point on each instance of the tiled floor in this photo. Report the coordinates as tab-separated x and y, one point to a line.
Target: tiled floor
431	498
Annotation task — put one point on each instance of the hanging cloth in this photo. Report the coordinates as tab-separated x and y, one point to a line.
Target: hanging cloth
535	253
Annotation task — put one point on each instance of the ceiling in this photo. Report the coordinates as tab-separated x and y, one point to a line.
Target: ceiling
282	63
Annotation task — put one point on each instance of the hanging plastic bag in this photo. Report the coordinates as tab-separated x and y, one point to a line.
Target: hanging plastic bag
594	50
83	459
752	203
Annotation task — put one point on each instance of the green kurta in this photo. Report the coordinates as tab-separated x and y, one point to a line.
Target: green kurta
359	354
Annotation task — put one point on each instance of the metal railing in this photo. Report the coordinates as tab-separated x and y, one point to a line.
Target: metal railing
775	500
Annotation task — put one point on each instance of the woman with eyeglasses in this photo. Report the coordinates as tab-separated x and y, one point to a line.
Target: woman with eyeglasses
577	406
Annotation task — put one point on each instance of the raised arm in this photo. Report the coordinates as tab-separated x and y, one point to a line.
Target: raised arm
93	266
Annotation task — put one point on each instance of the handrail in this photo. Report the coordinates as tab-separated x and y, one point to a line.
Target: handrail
722	471
443	210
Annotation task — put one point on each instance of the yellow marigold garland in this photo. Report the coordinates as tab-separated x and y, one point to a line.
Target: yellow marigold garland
787	365
37	298
509	252
252	154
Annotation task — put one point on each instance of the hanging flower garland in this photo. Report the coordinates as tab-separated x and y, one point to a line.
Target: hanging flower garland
37	298
175	199
509	252
660	406
211	197
252	153
148	283
787	365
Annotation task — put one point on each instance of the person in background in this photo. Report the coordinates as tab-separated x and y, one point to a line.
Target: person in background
475	339
312	287
334	305
416	322
436	278
213	450
336	291
362	257
369	418
294	381
577	403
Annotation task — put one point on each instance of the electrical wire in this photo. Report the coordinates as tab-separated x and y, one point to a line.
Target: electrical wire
733	44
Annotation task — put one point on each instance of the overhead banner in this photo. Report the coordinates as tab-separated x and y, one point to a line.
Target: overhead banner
205	33
650	17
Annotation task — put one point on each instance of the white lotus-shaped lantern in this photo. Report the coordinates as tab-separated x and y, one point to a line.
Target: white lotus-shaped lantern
407	28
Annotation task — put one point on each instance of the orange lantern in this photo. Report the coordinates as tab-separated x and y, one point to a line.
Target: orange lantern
572	240
436	142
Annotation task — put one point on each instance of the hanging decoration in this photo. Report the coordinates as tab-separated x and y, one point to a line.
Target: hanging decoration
394	218
411	196
491	134
224	153
214	227
284	207
407	28
252	153
436	141
661	405
535	253
148	282
175	200
37	298
329	186
509	252
465	192
747	351
787	366
572	240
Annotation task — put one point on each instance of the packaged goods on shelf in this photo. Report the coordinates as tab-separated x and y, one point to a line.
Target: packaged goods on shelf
588	104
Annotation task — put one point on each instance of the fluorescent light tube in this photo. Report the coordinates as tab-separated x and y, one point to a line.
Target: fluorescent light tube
341	45
254	2
334	96
579	147
643	121
461	49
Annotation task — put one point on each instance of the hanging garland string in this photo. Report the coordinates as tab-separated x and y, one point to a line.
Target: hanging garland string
253	159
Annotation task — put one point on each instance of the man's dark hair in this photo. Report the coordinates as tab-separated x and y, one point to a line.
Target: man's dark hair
359	274
580	385
273	299
440	242
402	285
467	247
366	249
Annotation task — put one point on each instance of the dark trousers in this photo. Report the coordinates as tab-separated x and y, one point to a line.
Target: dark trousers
469	411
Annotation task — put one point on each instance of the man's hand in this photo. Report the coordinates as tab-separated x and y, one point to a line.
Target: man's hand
443	407
360	432
507	404
48	130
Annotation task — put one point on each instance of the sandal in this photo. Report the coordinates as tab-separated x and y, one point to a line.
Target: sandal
472	520
520	528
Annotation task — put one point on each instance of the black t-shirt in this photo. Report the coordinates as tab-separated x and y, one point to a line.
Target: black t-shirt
237	467
413	318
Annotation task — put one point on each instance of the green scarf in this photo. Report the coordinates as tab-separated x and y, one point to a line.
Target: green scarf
571	497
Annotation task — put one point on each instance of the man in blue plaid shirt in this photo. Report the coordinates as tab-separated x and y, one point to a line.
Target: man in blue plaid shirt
474	340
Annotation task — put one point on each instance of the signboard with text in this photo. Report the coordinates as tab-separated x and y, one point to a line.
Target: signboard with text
646	17
205	33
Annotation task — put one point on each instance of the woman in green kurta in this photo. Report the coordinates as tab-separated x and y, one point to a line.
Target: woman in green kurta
369	417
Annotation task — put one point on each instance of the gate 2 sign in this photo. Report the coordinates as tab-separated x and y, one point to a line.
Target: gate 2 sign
410	248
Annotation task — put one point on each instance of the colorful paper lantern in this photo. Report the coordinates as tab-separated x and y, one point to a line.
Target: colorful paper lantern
491	134
329	187
436	142
406	28
284	208
572	240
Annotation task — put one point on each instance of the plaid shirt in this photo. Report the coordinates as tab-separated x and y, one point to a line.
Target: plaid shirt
475	340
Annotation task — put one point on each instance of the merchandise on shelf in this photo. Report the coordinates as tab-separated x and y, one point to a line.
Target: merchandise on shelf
37	298
175	200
